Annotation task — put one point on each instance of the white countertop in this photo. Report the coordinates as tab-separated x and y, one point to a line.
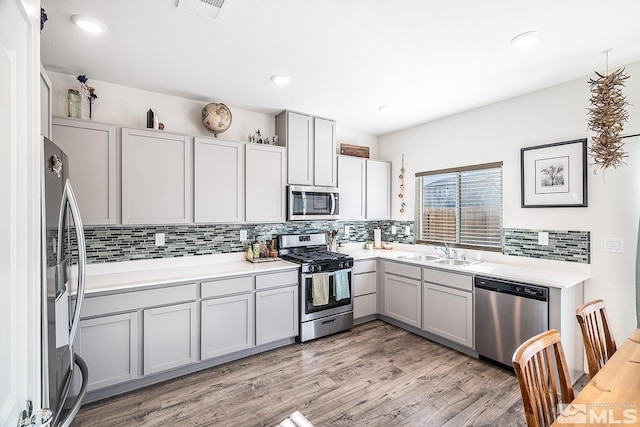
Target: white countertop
111	277
551	277
135	274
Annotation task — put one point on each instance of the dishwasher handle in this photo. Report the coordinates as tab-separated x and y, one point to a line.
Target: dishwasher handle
524	290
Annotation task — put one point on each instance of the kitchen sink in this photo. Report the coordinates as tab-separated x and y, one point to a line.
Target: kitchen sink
421	258
454	262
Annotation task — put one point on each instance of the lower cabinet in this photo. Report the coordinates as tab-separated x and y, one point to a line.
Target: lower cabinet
226	325
365	284
402	299
448	312
109	346
276	314
169	337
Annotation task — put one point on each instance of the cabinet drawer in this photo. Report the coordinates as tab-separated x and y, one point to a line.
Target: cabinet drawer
364	266
364	283
130	301
406	270
458	281
365	305
273	280
216	288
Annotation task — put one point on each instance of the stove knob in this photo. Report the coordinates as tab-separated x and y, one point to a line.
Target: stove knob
341	265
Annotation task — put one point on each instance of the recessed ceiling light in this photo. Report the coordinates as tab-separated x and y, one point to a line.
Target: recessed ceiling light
526	39
89	24
280	79
385	108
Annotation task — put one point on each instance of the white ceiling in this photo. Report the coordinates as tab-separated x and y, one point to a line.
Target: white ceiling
427	58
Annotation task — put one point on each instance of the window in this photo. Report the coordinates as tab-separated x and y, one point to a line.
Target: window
461	206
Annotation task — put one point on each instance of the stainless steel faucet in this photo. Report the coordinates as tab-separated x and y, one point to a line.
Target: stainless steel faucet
449	253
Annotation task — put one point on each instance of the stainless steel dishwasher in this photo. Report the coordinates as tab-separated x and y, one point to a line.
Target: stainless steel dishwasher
507	314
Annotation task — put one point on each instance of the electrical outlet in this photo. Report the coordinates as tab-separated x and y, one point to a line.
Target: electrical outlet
394	229
159	239
543	238
243	235
346	231
407	230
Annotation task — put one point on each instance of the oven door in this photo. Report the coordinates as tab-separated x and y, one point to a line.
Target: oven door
307	203
309	311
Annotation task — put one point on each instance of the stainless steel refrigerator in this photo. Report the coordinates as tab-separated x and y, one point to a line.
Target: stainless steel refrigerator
63	276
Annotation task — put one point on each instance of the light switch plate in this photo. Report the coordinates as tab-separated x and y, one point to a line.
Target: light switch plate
394	229
243	235
160	239
346	231
407	230
543	238
614	245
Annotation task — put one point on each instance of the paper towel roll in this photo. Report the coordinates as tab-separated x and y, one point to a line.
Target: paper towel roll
377	238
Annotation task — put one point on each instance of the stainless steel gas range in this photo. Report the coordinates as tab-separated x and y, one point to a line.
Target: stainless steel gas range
326	294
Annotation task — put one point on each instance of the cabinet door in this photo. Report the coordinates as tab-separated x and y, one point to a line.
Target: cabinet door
91	152
276	314
351	181
218	181
365	305
109	346
299	148
265	183
378	190
156	177
169	337
324	152
402	299
226	325
448	313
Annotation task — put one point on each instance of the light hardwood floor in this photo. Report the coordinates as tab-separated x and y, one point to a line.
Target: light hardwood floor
376	375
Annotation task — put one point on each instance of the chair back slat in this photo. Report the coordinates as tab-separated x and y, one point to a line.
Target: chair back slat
541	368
598	341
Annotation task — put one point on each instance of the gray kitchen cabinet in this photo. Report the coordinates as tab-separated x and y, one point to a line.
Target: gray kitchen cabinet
402	293
324	152
169	337
226	325
109	346
218	181
311	148
276	306
365	284
91	152
265	183
156	177
378	189
352	184
447	303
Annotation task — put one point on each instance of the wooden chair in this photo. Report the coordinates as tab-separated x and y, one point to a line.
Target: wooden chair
542	373
596	335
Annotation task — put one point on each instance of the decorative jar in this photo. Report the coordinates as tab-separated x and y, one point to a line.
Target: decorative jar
73	103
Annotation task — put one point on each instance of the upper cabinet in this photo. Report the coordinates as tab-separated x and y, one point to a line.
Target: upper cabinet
265	183
378	189
352	184
218	181
365	188
156	177
311	148
91	152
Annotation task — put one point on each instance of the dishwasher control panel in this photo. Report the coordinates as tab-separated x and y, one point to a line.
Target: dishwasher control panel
513	288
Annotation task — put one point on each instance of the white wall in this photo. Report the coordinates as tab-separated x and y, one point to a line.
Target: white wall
497	133
122	105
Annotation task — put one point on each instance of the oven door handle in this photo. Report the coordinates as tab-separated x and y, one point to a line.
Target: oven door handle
332	273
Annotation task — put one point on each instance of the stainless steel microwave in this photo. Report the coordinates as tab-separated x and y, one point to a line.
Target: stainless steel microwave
313	203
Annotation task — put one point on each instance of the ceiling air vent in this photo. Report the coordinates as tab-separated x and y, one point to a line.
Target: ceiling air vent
209	9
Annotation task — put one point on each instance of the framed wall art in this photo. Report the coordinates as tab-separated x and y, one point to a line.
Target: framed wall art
554	175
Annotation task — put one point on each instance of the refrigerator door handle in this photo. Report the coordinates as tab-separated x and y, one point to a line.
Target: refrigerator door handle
73	411
69	197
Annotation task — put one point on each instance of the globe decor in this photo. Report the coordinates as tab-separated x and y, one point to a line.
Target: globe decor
216	117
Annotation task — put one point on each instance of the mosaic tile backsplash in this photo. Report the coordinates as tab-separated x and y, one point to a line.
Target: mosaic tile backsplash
114	244
570	246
